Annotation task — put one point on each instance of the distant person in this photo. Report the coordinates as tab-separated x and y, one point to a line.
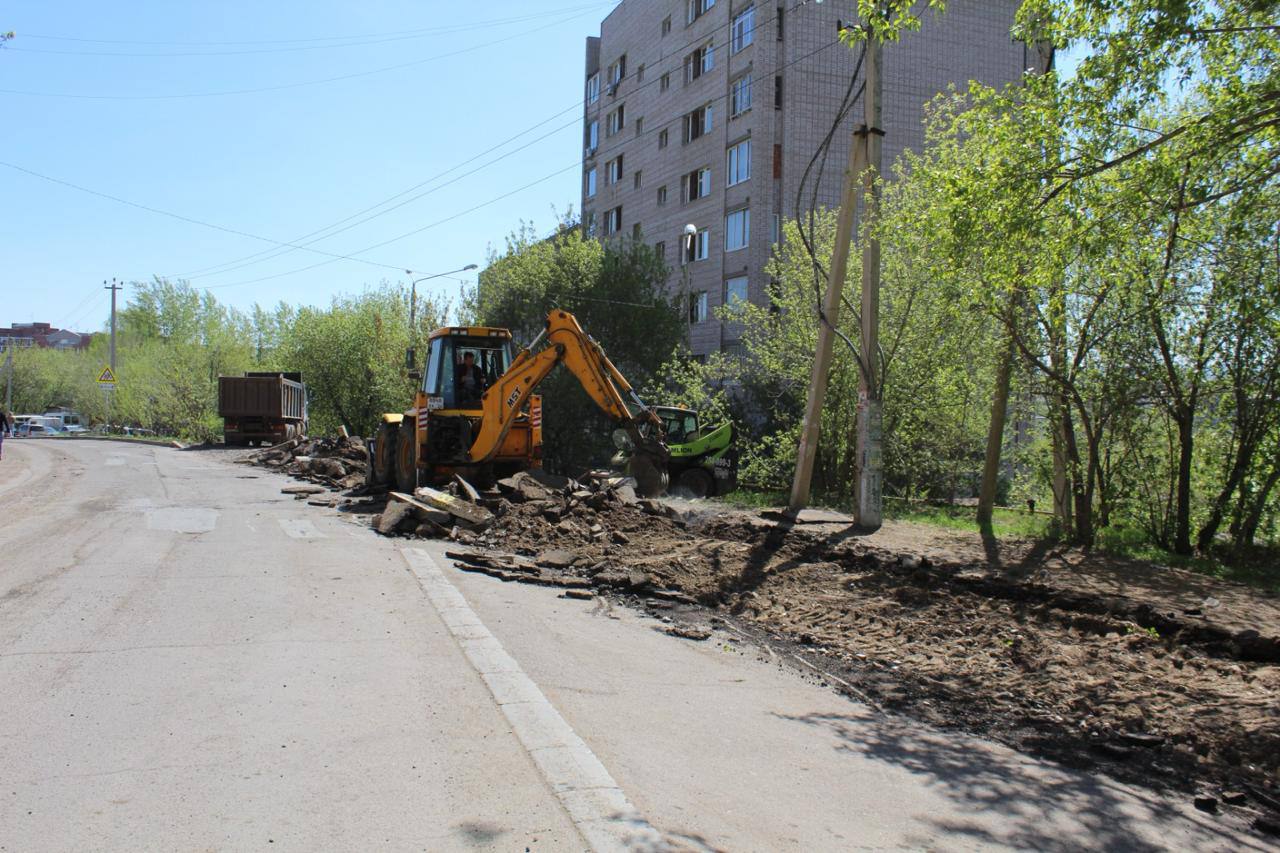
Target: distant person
470	379
4	430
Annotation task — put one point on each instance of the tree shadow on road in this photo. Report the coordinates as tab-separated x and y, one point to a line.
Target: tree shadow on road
1014	801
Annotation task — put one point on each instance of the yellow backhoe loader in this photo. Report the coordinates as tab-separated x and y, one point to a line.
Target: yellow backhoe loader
475	412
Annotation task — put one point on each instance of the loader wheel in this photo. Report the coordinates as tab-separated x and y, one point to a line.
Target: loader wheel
407	459
697	482
385	454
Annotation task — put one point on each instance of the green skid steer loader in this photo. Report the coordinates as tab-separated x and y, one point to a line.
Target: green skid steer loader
704	462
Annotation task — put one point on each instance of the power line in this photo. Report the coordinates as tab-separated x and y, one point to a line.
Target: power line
27	35
189	219
333	230
438	222
298	44
576	164
274	253
284	86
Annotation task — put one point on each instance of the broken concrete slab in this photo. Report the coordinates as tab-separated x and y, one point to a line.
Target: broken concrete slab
392	517
455	506
303	490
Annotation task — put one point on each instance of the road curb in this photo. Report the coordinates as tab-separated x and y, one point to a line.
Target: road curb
153	442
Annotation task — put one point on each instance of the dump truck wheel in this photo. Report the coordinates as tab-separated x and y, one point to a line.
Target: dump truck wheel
384	457
696	482
407	459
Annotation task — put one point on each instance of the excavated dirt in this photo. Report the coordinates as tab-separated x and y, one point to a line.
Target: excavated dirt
1083	672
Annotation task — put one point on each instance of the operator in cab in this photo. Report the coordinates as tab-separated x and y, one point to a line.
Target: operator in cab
469	380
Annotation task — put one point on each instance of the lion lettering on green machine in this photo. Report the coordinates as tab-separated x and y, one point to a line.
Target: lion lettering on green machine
511	400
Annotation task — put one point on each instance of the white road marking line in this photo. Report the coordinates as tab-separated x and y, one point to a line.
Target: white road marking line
300	528
593	800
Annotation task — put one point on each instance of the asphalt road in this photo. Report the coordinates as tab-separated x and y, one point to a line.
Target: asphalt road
191	660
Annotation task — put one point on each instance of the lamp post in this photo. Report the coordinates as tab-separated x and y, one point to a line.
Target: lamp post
686	255
411	357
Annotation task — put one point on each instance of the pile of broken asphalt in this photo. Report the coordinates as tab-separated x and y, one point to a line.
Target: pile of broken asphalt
1159	697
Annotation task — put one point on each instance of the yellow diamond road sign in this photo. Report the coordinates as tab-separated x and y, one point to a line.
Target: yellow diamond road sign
106	377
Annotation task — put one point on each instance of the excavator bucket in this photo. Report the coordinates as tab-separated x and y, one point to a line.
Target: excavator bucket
650	473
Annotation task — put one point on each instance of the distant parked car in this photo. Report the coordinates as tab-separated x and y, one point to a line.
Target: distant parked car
74	429
37	431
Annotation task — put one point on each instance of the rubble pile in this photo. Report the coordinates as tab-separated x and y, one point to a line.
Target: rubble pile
340	463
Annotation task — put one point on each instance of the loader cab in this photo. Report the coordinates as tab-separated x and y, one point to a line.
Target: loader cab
680	425
449	350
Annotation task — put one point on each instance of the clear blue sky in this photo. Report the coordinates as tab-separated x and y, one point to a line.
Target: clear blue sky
279	163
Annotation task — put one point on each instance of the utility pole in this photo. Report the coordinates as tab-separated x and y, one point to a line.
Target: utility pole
869	461
113	287
865	156
8	391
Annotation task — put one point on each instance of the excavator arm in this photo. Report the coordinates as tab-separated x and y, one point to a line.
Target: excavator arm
564	342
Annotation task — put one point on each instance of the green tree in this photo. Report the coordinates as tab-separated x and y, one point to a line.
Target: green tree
617	292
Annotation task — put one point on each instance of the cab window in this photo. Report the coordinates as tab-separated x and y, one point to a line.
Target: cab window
491	356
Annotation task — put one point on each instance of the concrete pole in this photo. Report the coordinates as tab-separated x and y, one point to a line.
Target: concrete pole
8	391
870	403
113	287
826	329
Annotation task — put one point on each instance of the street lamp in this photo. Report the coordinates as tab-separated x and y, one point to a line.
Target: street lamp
686	255
413	299
411	355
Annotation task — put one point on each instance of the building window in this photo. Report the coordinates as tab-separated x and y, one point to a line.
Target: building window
640	74
777	162
776	236
660	249
779	20
615	121
616	72
697	123
737	230
699	62
777	92
696	184
591	182
640	125
664	83
742	30
635	179
735	290
666	25
613	220
636	232
593	137
738	167
662	138
698	8
613	170
662	195
590	218
695	248
593	88
740	95
698	307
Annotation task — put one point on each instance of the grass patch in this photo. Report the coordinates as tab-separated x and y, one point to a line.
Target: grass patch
1003	522
1256	569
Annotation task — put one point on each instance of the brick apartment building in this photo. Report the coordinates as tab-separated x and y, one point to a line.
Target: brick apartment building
23	335
706	112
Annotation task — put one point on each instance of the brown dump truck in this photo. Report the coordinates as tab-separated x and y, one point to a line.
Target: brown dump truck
262	408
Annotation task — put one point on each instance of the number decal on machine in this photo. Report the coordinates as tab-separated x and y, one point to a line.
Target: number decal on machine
434	403
511	400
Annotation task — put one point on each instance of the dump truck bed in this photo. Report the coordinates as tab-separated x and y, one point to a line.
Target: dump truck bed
274	397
